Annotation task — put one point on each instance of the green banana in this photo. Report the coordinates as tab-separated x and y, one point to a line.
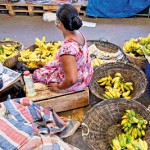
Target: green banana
105	96
147	51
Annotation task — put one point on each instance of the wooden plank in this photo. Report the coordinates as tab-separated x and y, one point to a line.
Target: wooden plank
52	8
40	95
30	9
66	102
21	11
3	6
38	11
45	93
10	9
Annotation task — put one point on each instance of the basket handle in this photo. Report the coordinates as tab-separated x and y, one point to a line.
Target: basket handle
103	39
148	108
85	125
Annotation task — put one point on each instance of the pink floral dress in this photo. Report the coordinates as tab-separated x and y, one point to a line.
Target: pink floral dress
53	71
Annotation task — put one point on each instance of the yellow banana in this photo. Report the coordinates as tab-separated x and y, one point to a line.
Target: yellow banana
130	147
43	39
135	132
116	144
139	126
122	87
112	92
108	82
143	126
131	87
128	97
139	133
102	79
145	122
118	94
143	132
124	121
7	52
118	74
108	87
109	78
103	83
141	143
126	94
130	130
135	120
95	63
145	145
105	96
129	83
109	94
125	117
128	111
99	61
116	85
125	87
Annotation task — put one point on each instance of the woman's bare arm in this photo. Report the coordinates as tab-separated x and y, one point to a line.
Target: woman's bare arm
70	71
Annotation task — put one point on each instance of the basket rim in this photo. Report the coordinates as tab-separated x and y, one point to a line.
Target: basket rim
106	42
132	65
115	100
140	58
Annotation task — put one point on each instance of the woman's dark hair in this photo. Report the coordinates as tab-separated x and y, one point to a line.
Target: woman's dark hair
69	16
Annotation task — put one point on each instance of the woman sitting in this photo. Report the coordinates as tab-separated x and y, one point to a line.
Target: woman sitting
72	69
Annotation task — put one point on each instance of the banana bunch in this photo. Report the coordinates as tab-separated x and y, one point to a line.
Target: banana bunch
121	141
127	142
144	40
146	49
133	127
7	51
134	124
116	87
97	62
44	53
133	48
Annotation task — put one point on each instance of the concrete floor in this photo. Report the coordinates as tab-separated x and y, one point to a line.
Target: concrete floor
24	29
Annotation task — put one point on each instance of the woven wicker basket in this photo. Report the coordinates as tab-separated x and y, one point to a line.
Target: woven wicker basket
12	61
130	73
138	61
108	47
100	124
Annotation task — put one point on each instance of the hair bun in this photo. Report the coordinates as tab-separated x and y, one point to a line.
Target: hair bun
76	22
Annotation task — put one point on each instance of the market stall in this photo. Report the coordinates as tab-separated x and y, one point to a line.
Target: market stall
116	83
